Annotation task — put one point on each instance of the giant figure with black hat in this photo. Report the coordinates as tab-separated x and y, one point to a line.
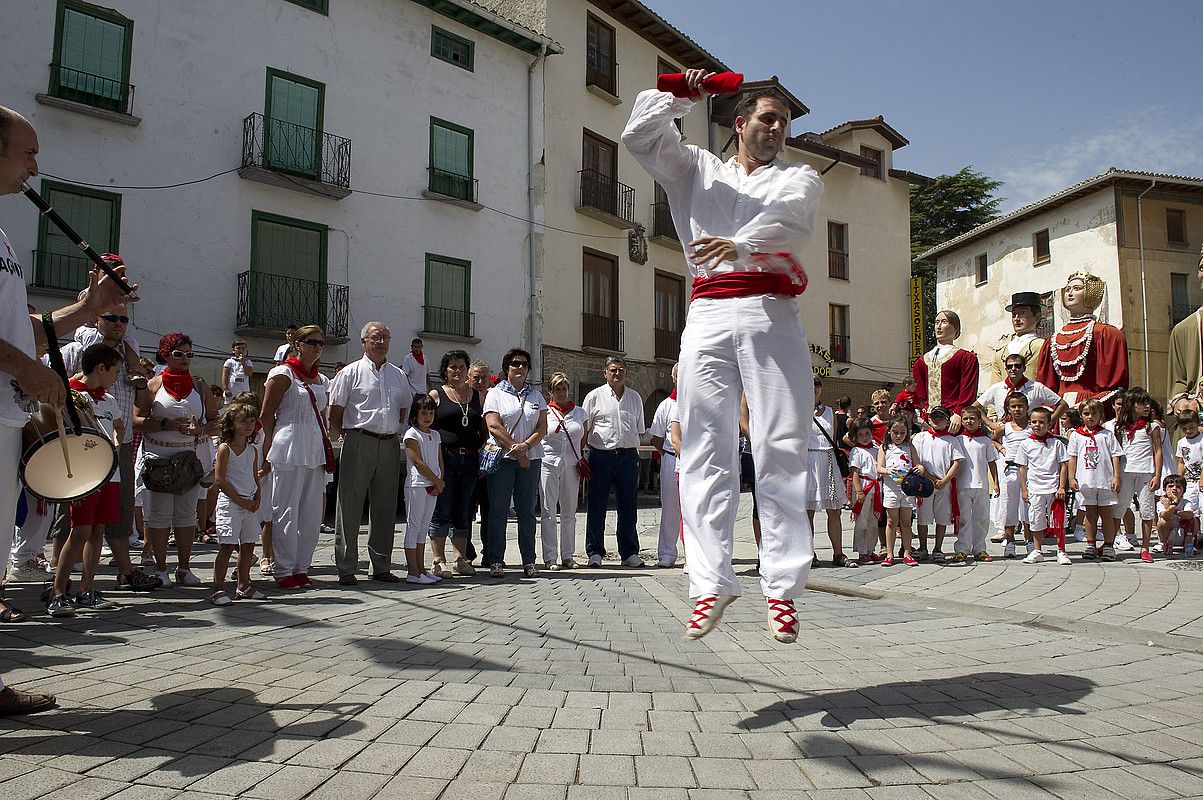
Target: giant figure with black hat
1026	311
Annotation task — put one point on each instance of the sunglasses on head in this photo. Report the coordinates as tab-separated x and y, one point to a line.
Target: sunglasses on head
182	354
124	320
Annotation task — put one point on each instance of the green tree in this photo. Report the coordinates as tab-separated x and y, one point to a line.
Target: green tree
943	210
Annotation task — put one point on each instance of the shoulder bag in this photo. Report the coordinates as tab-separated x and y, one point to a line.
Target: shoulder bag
490	454
583	470
841	458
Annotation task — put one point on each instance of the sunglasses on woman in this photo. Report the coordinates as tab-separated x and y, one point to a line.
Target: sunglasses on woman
181	354
314	342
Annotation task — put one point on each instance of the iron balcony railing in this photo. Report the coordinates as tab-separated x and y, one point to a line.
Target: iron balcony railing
60	271
273	302
450	321
452	184
296	150
603	193
840	348
93	90
837	264
668	343
662	221
602	332
602	73
1179	312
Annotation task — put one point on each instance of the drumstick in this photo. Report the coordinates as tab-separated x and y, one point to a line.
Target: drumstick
62	439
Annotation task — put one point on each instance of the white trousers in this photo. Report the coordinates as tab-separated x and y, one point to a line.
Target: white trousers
974	506
756	346
864	530
1136	484
670	510
31	538
936	509
1012	510
10	491
297	494
559	485
419	509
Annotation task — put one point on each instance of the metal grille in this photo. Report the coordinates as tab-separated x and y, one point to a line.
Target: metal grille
605	333
92	90
606	194
294	149
452	321
273	302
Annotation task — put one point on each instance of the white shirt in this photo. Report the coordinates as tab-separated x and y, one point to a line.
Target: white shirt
937	453
660	420
297	439
1138	451
239	382
107	411
864	461
818	436
428	444
1191	453
980	452
614	422
16	329
1037	394
1018	342
282	352
240	470
415	373
1094	468
373	398
771	210
560	430
898	463
506	406
125	395
1013	436
1043	460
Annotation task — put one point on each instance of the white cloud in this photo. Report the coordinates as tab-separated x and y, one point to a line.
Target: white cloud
1152	140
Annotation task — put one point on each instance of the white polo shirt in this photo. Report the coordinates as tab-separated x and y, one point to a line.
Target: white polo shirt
980	452
660	420
1043	460
614	422
1036	392
373	399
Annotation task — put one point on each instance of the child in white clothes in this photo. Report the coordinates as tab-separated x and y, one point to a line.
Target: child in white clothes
895	459
1042	460
1140	437
867	506
974	483
1094	473
1189	457
424	484
1175	513
1012	508
236	473
941	455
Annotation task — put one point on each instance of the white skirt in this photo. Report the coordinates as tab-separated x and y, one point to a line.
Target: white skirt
825	487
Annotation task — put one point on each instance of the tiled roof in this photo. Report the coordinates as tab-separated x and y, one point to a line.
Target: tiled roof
878	123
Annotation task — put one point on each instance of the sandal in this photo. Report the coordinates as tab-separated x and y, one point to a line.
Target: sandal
11	614
842	560
250	593
220	599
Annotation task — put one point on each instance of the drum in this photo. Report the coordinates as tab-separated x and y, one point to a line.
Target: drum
60	467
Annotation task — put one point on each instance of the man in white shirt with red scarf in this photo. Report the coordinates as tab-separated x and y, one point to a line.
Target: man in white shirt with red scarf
746	221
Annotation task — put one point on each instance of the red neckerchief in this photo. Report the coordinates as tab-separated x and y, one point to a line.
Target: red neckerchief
1042	439
1014	386
1088	432
177	384
97	393
299	370
980	432
673	396
563	409
1132	429
419	357
937	434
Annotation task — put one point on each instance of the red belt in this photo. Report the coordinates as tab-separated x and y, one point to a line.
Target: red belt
745	284
874	486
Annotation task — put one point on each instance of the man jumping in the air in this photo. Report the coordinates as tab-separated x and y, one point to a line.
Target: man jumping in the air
746	221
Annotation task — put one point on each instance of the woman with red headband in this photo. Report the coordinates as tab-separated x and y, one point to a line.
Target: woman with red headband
299	455
178	414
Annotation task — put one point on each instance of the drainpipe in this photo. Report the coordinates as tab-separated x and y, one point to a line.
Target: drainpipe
1144	304
536	370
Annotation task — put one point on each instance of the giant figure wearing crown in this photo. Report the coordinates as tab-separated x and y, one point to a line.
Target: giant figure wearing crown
1085	358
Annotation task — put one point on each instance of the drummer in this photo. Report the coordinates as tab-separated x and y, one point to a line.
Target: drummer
23	380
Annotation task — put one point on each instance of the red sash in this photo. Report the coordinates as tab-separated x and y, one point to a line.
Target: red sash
744	284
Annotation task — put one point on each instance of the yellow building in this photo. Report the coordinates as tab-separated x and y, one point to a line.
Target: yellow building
1139	231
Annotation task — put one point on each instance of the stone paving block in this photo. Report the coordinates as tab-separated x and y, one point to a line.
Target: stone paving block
289	783
721	773
960	791
536	791
769	745
236	778
553	768
473	789
899	792
667	743
183	771
577	717
84	789
563	740
777	774
143	792
494	765
436	762
461	736
666	771
482	714
833	773
412	788
1015	789
348	785
412	732
719	745
1125	783
511	738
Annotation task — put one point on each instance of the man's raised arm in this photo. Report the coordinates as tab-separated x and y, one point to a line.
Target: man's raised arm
653	139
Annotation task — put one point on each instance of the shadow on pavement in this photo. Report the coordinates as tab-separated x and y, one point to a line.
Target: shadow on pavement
963	695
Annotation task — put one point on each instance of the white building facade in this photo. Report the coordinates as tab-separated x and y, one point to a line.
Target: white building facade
362	160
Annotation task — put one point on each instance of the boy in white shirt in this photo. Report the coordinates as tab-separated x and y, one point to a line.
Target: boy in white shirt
1014	430
941	454
867	500
1043	475
973	486
1188	457
1094	473
1175	512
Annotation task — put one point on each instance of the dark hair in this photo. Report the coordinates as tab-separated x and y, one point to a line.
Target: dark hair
1127	413
858	425
1188	415
818	382
290	327
1074	416
952	317
844	403
1022	358
230	416
748	104
450	356
422	402
97	355
414	341
1014	396
1174	480
247	398
899	419
1041	410
973	409
510	355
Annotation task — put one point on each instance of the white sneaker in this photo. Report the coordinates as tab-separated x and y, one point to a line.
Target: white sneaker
1159	548
633	560
595	561
1030	547
1063	558
1034	557
27	571
186	577
1080	534
423	579
164	577
1122	544
430	574
1009	550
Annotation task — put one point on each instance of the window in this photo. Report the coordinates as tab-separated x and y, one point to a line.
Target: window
840	337
95	215
446	46
837	250
662	218
448	295
599	173
288	271
293	114
92	56
1047	324
1040	247
601	69
670	314
599	305
982	269
1180	307
1175	226
451	160
320	6
875	170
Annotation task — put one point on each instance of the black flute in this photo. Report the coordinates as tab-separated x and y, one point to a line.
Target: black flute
52	215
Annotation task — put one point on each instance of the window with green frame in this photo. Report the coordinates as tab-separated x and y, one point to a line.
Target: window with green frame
95	215
288	271
320	6
451	160
453	49
91	61
294	112
448	295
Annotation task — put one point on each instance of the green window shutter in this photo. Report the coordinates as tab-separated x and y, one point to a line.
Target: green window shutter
96	216
294	113
451	160
448	289
288	272
91	56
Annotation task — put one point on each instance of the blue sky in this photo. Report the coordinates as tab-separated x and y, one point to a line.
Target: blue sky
1036	94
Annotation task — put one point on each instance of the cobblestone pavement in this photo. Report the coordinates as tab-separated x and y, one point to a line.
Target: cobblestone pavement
578	685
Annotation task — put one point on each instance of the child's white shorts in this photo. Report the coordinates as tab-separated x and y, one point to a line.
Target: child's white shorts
236	525
1089	496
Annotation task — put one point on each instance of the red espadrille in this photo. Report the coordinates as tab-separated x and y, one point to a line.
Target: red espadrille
783	620
707	611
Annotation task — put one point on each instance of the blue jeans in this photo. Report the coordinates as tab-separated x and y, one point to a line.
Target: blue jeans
521	484
453	508
618	469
